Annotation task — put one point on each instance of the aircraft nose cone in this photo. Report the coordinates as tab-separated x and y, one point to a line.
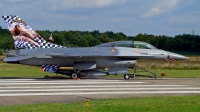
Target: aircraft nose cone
177	56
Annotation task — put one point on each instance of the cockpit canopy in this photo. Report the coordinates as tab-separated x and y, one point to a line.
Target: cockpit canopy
143	45
132	44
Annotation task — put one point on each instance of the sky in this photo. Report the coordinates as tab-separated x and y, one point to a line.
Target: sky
131	17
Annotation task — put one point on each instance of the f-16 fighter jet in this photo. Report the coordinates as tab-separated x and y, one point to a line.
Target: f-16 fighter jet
32	49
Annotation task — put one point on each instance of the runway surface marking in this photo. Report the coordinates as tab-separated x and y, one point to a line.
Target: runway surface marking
34	82
35	87
85	86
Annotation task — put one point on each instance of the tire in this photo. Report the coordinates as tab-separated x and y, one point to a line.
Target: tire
126	76
74	76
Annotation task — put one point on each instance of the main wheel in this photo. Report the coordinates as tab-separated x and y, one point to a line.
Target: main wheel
126	76
74	76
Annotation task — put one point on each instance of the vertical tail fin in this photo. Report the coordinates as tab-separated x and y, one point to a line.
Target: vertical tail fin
24	36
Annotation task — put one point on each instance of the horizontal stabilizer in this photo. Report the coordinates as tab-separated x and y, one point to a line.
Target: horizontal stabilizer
18	58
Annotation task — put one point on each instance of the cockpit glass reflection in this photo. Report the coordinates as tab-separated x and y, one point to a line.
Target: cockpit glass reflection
143	45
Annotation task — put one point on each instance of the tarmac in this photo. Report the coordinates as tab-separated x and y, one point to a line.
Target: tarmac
41	90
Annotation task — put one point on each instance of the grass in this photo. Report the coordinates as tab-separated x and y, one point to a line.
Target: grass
169	74
176	73
18	70
179	73
144	104
192	64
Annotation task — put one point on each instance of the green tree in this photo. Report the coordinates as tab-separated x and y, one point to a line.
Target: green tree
120	36
91	40
104	38
1	52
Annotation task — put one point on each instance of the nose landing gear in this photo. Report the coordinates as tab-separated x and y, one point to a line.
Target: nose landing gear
135	73
126	76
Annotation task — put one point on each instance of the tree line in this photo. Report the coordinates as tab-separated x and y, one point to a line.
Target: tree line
183	43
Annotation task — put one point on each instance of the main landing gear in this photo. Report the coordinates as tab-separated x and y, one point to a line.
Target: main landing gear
74	76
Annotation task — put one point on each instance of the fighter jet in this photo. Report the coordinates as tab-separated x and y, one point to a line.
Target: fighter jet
32	49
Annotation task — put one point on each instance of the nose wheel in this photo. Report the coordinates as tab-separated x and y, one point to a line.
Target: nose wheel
126	76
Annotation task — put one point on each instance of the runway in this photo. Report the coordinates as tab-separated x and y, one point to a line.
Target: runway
29	91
